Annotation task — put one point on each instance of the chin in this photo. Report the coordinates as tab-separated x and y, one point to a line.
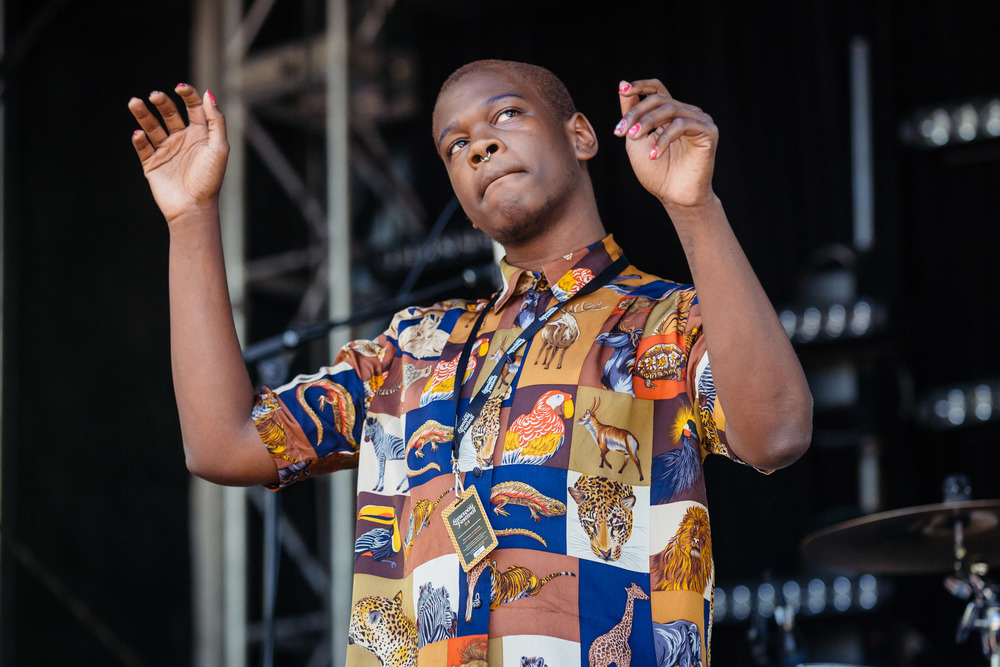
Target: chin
521	225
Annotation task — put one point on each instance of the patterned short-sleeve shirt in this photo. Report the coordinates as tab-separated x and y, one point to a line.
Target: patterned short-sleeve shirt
589	452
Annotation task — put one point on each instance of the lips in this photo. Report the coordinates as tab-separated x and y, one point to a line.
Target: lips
494	175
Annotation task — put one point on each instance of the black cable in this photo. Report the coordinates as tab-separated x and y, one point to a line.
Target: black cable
436	231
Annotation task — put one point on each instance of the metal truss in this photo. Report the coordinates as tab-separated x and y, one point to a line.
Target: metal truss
311	111
3	249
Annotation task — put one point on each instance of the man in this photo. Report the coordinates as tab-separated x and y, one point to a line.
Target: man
584	444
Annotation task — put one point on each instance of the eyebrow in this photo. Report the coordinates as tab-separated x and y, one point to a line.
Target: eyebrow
485	103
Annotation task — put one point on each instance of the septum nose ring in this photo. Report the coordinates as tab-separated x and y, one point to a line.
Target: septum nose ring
486	158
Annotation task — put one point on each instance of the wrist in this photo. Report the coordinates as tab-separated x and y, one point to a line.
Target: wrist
697	216
194	217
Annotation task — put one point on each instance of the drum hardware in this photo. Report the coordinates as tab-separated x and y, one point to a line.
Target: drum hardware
789	647
983	611
960	535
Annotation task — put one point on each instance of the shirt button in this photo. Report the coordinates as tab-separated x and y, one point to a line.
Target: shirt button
478	472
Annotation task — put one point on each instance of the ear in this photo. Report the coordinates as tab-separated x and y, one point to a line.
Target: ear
583	136
579	495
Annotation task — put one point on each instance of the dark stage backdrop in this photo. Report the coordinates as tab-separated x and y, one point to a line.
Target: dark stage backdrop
94	485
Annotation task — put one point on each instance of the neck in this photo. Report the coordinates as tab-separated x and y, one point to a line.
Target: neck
572	235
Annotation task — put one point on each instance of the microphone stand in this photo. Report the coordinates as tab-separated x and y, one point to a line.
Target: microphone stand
296	335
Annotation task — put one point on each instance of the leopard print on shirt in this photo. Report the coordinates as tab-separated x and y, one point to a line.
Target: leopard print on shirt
605	511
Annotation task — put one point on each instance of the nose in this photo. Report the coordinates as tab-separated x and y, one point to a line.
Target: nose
483	150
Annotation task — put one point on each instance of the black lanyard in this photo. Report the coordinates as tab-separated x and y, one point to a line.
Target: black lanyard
464	421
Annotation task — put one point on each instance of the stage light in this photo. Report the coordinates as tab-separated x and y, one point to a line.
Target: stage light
769	599
836	320
789	321
861	321
961	123
963	405
992	122
721	604
940	127
793	594
813	324
966	122
816	600
741	603
841	593
765	600
956	407
983	397
867	591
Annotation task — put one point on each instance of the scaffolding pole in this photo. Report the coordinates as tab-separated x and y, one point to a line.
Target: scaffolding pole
218	515
304	85
3	250
342	492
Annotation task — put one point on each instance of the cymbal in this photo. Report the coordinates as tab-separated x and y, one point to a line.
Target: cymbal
912	540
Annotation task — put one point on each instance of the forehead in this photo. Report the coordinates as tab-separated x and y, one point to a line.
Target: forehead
477	91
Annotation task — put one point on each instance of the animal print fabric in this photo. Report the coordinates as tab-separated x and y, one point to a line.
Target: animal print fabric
594	484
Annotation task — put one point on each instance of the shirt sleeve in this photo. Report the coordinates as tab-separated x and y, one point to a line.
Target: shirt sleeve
701	388
313	424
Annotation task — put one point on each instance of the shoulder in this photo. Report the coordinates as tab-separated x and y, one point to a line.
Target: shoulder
433	315
423	331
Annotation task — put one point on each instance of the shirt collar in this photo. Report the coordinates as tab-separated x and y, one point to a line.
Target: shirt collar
567	273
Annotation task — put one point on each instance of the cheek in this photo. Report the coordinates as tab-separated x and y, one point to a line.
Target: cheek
464	190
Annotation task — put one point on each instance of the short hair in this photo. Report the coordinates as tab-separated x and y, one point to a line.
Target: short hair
548	86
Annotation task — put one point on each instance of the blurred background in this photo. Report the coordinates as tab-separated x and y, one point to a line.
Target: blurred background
859	164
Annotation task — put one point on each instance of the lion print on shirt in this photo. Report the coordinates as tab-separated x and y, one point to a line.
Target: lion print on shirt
686	562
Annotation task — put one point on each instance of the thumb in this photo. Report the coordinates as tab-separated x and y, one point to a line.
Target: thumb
216	122
628	96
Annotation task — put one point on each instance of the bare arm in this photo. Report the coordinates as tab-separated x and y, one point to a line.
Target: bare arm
185	166
756	372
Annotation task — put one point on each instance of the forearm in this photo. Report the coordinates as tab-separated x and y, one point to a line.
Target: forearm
212	386
757	375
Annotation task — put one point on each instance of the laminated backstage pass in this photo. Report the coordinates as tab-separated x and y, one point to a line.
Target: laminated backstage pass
469	528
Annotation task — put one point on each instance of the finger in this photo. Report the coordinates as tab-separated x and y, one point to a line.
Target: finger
192	102
147	121
627	101
168	111
676	129
631	93
142	146
216	123
655	111
643	87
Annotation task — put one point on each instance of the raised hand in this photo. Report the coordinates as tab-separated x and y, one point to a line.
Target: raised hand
184	164
671	145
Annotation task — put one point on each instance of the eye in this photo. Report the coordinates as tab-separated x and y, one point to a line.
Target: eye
457	146
507	114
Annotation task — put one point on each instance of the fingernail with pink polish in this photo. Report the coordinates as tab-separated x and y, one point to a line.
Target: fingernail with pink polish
181	85
137	133
211	97
620	127
652	153
624	87
634	130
